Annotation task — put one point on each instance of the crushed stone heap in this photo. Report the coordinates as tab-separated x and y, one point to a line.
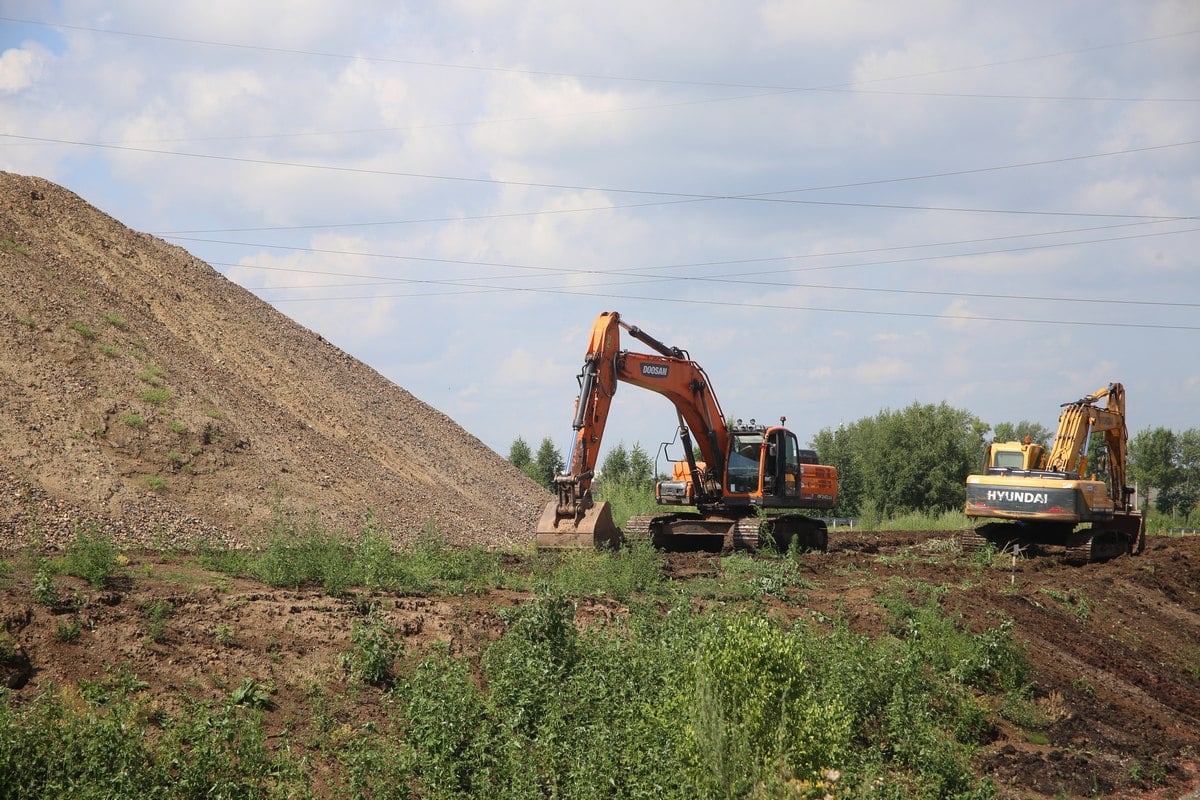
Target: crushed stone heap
149	395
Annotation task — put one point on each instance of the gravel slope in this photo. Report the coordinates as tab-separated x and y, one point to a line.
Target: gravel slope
149	394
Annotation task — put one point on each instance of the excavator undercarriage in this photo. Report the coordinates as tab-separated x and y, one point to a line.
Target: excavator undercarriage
1102	541
718	533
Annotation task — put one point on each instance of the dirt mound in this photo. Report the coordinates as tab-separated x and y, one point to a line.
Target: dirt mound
147	393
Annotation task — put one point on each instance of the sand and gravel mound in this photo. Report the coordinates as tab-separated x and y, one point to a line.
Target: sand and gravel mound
146	393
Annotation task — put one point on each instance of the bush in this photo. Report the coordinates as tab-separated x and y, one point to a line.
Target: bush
374	649
596	573
91	556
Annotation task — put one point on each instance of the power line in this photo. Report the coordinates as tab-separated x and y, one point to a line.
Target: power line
467	283
848	185
820	309
595	270
765	197
595	76
471	285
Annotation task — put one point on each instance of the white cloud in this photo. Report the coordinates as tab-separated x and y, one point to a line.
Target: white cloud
20	68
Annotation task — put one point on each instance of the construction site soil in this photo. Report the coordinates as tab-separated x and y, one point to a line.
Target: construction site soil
148	398
1114	647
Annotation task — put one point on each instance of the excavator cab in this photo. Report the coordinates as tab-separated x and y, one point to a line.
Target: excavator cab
1005	457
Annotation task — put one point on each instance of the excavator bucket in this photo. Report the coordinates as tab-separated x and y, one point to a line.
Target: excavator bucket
593	529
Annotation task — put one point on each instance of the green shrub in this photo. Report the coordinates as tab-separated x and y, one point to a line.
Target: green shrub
158	614
91	555
252	694
68	631
44	590
448	728
373	650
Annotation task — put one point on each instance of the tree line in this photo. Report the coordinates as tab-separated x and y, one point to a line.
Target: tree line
632	467
917	459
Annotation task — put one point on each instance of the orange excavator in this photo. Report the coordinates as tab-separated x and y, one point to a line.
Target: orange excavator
744	470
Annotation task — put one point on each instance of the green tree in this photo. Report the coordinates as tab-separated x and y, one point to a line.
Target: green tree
1153	464
840	448
548	463
1189	468
631	467
641	468
914	459
615	467
1010	432
519	453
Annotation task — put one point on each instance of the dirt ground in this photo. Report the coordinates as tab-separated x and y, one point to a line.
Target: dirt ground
1115	647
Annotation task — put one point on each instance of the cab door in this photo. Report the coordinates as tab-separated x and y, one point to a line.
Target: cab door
783	464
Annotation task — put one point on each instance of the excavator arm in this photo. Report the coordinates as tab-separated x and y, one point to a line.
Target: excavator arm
1078	421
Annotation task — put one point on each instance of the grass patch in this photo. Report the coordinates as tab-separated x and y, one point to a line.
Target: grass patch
636	569
1071	599
953	520
747	576
156	395
679	701
115	320
83	330
152	375
627	500
10	246
28	322
134	420
156	483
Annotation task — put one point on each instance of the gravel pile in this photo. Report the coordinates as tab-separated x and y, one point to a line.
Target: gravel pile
150	396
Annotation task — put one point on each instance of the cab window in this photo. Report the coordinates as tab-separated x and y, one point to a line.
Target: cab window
1006	459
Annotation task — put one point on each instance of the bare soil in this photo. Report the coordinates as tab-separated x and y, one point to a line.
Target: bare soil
1114	647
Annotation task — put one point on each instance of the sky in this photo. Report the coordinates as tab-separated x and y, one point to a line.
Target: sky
837	208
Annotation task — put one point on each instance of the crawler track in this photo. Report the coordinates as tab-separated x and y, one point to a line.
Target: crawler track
692	532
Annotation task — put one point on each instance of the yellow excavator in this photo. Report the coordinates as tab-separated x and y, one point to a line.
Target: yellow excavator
744	469
1042	498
